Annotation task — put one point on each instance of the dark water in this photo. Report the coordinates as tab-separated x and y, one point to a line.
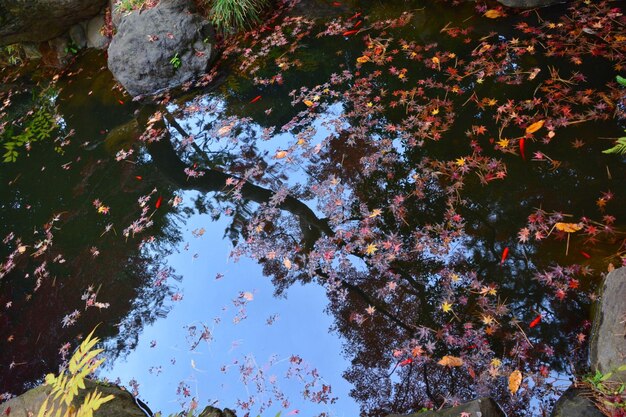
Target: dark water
403	200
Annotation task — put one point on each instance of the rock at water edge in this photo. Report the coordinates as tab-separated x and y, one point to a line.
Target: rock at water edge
608	339
42	20
575	403
160	48
483	407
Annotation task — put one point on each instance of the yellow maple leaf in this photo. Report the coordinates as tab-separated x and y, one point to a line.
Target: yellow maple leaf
450	361
375	213
503	143
534	127
371	249
568	227
460	162
446	307
493	14
515	380
495	362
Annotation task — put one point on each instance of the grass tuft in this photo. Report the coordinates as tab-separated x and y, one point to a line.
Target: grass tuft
235	15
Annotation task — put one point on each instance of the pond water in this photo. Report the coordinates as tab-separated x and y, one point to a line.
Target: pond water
368	208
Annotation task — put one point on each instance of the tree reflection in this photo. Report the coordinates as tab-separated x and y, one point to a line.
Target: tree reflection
62	259
399	199
407	221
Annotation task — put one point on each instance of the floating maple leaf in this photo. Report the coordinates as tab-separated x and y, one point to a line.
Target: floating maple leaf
515	380
451	361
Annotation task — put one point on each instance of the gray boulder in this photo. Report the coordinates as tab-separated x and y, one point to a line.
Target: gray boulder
160	48
481	407
95	38
123	405
77	35
608	338
42	20
575	403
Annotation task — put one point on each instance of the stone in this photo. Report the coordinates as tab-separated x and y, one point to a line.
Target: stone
481	407
608	337
42	20
116	13
530	4
95	39
575	403
210	411
31	50
124	404
61	50
160	48
78	37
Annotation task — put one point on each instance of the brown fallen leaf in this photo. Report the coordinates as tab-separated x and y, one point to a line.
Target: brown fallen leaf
568	227
534	127
515	380
451	361
493	14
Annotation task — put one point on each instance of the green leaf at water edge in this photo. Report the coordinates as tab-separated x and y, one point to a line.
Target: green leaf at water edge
619	148
621	80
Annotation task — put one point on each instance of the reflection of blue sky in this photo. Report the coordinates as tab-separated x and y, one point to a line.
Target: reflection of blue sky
302	329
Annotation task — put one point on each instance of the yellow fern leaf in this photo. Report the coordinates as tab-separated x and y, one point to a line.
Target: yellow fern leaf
50	379
82	350
92	402
43	409
88	357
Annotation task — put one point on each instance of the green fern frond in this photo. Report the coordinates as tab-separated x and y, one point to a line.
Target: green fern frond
619	148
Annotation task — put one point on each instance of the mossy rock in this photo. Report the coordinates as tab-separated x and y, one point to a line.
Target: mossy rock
124	404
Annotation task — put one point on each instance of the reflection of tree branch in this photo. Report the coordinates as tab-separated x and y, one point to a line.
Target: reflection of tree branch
407	385
429	393
170	164
374	303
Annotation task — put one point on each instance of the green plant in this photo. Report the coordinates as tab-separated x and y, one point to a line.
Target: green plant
66	385
11	55
234	15
607	393
176	62
619	148
71	48
129	5
38	127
